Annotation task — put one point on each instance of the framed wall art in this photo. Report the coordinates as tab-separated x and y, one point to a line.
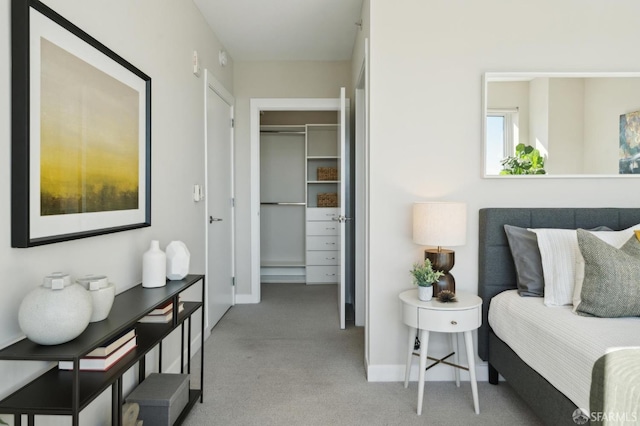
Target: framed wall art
81	133
629	162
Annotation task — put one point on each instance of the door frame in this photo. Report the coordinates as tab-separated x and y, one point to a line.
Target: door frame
256	106
210	82
361	196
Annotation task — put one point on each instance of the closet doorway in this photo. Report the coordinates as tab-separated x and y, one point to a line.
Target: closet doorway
298	197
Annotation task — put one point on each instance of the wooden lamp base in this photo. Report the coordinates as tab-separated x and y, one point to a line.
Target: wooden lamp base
442	260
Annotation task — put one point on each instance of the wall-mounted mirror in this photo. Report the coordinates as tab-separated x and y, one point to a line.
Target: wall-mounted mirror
580	124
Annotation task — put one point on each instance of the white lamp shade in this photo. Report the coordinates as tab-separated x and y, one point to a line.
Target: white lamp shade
440	223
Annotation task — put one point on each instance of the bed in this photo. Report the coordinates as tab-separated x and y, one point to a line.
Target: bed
497	275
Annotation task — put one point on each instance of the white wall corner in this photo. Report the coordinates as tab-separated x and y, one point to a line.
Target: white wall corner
242	299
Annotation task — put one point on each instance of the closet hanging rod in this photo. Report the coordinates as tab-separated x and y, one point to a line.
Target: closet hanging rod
284	204
283	132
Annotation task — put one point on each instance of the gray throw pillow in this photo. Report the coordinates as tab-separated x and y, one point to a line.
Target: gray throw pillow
526	257
611	286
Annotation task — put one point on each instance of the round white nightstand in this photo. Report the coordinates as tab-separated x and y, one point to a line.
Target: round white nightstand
462	316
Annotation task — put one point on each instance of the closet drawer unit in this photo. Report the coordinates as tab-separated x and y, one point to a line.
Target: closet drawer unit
322	243
323	257
322	274
322	213
322	228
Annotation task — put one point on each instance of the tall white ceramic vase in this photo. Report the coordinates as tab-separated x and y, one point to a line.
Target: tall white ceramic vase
154	266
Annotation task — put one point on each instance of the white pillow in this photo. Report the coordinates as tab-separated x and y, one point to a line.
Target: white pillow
560	253
558	249
614	238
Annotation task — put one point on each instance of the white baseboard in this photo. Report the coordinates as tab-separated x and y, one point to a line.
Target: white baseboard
439	373
246	299
195	346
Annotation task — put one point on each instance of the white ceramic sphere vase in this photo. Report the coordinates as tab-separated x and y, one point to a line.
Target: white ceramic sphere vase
102	294
177	260
425	293
56	312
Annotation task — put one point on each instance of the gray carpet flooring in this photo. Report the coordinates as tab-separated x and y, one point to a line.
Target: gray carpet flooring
285	362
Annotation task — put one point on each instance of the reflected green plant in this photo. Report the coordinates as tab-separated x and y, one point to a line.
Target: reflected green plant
527	161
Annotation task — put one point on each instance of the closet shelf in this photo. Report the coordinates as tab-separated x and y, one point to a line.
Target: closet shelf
283	203
323	181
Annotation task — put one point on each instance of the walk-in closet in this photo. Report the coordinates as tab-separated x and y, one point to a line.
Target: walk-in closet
299	179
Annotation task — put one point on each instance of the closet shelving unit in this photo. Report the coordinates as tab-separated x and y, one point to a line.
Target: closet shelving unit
322	245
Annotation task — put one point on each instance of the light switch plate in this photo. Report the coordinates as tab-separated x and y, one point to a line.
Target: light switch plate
196	64
198	194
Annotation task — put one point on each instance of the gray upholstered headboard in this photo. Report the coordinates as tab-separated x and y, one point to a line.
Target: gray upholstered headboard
496	272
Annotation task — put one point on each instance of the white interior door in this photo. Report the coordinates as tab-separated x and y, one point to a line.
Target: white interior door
342	139
219	199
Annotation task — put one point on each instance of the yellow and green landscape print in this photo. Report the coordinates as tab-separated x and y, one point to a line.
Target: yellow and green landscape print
89	149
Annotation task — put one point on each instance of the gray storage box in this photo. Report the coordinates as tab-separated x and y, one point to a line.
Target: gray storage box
161	397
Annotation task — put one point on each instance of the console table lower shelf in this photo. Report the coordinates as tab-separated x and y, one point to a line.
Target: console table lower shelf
67	392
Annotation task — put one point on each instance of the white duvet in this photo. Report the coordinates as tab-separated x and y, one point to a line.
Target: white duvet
560	345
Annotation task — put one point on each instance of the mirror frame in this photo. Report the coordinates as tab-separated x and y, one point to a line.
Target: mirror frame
498	76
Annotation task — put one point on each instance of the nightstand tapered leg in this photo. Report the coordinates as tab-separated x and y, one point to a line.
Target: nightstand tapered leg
471	360
424	343
410	346
456	358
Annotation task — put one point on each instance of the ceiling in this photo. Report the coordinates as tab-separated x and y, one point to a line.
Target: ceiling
284	30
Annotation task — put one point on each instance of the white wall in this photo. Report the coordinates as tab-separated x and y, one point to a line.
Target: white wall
566	126
539	117
270	80
158	37
427	62
605	100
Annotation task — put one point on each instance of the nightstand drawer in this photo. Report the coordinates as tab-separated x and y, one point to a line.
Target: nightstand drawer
449	320
322	243
322	274
323	257
322	228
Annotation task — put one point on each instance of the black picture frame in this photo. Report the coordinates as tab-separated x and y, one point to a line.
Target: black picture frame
31	20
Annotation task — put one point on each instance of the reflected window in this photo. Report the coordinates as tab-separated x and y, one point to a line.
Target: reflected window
502	137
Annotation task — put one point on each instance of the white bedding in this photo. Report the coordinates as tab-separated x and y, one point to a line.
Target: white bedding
560	345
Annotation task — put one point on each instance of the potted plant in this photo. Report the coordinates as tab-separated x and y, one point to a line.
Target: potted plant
424	276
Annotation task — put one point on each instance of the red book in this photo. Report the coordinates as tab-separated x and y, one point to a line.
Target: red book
161	318
112	345
101	363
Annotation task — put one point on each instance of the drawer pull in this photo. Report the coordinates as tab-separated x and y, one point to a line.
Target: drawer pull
330	275
330	258
454	323
330	229
330	244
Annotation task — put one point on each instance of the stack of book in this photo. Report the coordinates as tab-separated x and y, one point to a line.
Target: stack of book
104	357
162	313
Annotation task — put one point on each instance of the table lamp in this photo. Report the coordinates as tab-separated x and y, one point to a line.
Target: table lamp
440	224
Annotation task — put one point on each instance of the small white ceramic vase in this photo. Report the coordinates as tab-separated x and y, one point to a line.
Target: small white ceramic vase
154	266
177	260
425	293
102	293
56	312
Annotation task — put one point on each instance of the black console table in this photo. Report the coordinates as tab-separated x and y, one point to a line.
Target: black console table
60	392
